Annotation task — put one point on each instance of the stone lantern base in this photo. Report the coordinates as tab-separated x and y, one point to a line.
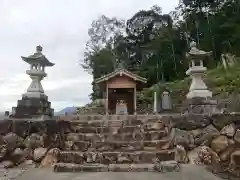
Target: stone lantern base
203	93
33	108
200	105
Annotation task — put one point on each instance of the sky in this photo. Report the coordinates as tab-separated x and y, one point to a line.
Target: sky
60	27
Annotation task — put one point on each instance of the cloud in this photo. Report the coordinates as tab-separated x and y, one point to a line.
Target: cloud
60	26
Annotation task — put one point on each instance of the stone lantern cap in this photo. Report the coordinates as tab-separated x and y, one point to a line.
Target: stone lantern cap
196	53
38	58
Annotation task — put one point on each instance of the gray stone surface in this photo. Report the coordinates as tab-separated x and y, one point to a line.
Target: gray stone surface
188	172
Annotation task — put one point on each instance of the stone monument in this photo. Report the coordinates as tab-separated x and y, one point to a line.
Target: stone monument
166	101
196	70
199	98
34	103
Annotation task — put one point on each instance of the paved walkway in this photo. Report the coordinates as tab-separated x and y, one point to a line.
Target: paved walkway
188	172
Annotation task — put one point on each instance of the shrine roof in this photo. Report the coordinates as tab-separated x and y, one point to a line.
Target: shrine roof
37	57
121	71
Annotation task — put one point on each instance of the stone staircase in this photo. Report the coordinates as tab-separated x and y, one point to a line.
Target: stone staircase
115	143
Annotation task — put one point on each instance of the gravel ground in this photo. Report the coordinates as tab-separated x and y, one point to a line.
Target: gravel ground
188	172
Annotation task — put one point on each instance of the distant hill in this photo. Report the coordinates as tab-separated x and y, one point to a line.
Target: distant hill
68	110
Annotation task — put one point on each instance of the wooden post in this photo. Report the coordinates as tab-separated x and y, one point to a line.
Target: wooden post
135	101
106	99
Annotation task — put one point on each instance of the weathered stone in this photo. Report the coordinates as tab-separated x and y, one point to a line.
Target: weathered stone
225	155
12	141
234	165
51	158
3	151
34	141
167	166
18	156
6	164
206	134
237	136
193	156
228	130
220	143
209	157
181	137
221	120
181	154
190	122
28	164
39	154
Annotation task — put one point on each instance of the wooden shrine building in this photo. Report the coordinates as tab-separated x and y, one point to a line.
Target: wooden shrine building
119	89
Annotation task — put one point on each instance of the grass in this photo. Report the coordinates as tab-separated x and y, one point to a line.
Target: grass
220	81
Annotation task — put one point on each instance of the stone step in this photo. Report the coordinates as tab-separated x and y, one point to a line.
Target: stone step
112	145
121	129
109	117
171	166
149	135
116	157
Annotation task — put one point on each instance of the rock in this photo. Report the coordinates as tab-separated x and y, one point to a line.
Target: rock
51	158
6	164
228	130
225	155
237	136
167	166
190	122
181	154
181	137
3	151
28	164
12	141
206	134
209	157
39	154
193	156
18	156
221	120
33	141
235	163
220	143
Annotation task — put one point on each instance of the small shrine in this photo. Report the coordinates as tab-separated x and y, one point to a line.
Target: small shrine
196	70
119	90
34	103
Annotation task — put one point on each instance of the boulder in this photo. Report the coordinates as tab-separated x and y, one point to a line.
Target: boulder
206	134
221	120
225	155
12	141
181	155
28	164
209	157
220	143
167	166
228	130
18	156
33	141
39	154
182	137
237	136
234	165
193	156
3	151
50	159
190	122
6	164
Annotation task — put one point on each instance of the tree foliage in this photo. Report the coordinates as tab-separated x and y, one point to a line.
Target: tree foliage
154	45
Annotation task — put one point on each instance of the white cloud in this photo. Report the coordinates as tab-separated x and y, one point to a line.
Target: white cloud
60	26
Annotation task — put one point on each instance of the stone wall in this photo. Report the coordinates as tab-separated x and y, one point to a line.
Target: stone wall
211	140
25	143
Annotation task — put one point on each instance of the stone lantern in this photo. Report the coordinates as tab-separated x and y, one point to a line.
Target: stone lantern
198	88
34	104
37	63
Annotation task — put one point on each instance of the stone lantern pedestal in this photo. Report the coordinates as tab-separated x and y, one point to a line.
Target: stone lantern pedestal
34	104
